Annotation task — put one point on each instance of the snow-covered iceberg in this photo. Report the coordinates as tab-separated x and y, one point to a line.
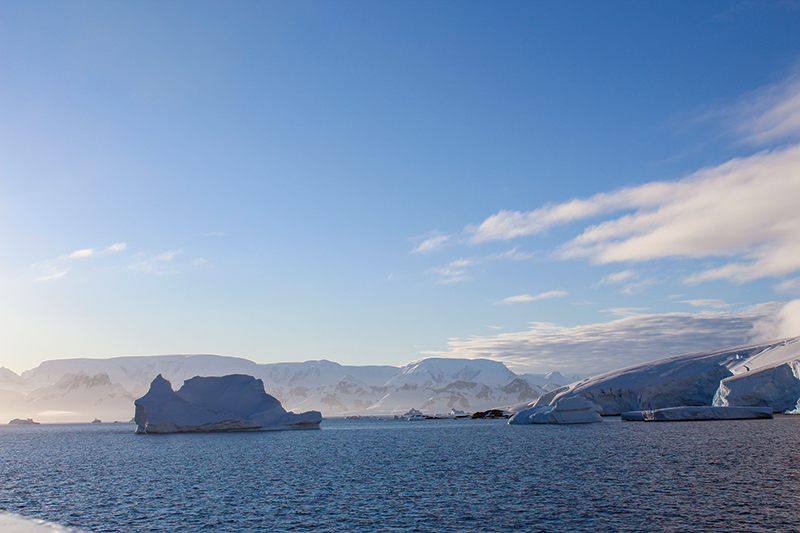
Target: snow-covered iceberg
574	410
698	412
229	403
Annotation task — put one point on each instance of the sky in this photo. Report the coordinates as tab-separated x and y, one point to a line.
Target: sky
560	186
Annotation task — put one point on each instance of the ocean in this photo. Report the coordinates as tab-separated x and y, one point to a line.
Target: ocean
426	476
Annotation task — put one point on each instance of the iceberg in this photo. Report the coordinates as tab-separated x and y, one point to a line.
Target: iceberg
572	410
236	402
698	412
756	375
23	422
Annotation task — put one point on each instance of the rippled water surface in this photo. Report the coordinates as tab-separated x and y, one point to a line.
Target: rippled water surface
438	476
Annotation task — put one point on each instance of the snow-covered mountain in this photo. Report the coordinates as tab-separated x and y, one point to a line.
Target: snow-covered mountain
757	375
78	390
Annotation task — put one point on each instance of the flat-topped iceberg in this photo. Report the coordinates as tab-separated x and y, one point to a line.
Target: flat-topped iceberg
573	410
203	404
694	412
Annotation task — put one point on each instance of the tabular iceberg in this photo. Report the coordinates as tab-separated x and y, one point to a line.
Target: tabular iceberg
573	410
229	403
694	412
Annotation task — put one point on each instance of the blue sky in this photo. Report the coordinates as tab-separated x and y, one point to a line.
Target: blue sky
568	186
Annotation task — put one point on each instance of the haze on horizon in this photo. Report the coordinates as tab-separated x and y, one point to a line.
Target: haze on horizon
569	186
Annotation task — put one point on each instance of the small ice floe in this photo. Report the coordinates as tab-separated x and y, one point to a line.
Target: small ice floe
703	412
572	410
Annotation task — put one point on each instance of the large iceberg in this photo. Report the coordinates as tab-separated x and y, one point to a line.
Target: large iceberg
698	412
229	403
756	375
574	410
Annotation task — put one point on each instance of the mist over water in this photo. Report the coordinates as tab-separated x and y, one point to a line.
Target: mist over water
453	476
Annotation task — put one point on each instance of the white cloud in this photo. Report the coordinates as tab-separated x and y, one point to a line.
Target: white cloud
742	214
120	246
433	241
91	252
53	275
788	320
82	253
633	339
744	210
523	298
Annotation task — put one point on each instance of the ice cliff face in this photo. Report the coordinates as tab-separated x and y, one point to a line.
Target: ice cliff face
228	403
758	375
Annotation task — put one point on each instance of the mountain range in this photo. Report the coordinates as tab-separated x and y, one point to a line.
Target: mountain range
80	390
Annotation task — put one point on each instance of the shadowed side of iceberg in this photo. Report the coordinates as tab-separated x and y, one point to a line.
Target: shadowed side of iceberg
205	404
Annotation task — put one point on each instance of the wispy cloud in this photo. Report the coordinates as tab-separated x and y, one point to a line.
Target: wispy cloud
155	264
456	271
623	312
789	286
432	241
635	338
715	304
453	272
214	234
770	113
523	298
57	268
618	277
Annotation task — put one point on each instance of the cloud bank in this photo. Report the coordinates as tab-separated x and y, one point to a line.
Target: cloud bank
635	338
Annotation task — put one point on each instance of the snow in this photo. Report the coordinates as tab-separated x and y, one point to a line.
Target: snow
706	412
572	410
756	375
229	403
14	523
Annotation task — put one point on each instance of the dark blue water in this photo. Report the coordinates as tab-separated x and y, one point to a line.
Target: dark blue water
437	476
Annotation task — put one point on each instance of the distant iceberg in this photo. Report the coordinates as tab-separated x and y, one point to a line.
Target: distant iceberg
573	410
204	404
694	412
23	422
